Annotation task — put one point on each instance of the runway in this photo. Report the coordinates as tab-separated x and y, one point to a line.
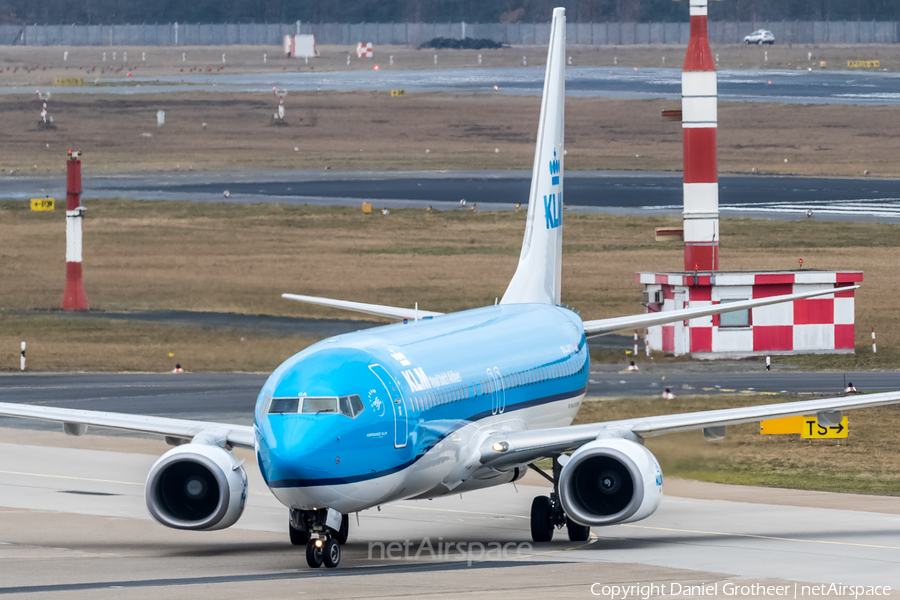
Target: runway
73	523
848	199
744	85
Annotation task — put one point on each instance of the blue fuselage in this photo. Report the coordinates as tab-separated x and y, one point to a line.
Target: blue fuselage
422	386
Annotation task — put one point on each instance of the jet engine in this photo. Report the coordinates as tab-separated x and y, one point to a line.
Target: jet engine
196	486
610	481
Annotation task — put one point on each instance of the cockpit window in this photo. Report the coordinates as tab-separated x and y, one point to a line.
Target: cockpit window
349	406
284	405
319	405
356	405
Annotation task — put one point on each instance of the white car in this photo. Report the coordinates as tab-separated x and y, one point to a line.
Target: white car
760	36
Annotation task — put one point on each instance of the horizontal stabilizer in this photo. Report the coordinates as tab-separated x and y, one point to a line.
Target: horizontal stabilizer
607	326
389	312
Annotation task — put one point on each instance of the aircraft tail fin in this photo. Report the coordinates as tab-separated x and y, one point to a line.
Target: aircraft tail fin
538	278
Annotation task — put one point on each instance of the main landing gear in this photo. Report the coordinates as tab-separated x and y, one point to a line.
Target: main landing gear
547	513
316	529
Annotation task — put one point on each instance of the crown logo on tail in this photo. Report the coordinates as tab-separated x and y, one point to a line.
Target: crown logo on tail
554	170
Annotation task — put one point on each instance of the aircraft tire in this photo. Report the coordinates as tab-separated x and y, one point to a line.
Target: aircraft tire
331	553
541	524
314	555
577	532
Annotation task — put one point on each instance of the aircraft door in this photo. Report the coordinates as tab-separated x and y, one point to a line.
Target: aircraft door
395	397
501	392
498	393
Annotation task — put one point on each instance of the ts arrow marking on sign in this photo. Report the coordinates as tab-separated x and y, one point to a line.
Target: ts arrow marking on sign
812	429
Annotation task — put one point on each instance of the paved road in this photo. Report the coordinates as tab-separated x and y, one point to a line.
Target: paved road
750	85
73	522
863	199
231	397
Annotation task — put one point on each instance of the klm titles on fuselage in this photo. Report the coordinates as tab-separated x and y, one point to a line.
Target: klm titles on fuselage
419	382
553	202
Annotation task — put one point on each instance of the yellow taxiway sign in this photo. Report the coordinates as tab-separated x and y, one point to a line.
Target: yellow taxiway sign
812	429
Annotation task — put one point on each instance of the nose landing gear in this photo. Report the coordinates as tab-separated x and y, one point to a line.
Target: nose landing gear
322	531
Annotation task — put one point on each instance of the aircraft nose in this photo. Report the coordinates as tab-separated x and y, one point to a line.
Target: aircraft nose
294	452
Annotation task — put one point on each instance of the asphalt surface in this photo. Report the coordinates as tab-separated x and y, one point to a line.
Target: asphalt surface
745	85
73	523
231	397
858	199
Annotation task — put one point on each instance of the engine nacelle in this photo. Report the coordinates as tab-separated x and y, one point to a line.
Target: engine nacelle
196	486
610	481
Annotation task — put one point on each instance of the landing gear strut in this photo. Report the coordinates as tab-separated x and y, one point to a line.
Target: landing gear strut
547	513
323	542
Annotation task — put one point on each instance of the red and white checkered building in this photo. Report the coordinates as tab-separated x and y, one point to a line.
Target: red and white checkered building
822	325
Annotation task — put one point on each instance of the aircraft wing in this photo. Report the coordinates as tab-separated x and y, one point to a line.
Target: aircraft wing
391	312
607	326
181	429
515	448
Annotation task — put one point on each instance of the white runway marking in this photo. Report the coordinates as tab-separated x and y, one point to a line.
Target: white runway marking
880	207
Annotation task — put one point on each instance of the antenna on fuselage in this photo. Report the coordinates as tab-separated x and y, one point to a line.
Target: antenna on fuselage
417	311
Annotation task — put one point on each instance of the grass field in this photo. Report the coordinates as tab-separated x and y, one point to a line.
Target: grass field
154	255
373	131
868	461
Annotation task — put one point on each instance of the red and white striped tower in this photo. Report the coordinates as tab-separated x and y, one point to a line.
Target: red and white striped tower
74	297
699	120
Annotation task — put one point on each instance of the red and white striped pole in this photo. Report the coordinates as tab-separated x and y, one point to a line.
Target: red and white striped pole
74	297
874	350
699	120
635	341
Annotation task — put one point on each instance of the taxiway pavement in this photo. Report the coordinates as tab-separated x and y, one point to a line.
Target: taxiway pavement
73	523
734	85
231	397
778	197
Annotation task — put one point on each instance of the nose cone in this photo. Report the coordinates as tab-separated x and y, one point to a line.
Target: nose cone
298	450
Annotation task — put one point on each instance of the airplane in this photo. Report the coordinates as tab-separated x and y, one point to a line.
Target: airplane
441	404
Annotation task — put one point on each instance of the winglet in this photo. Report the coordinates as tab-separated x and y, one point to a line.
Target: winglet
539	274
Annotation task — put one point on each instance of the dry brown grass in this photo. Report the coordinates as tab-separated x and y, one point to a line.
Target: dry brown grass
57	342
372	131
868	461
235	258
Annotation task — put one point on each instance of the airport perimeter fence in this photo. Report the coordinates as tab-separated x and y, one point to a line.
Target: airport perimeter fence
413	34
